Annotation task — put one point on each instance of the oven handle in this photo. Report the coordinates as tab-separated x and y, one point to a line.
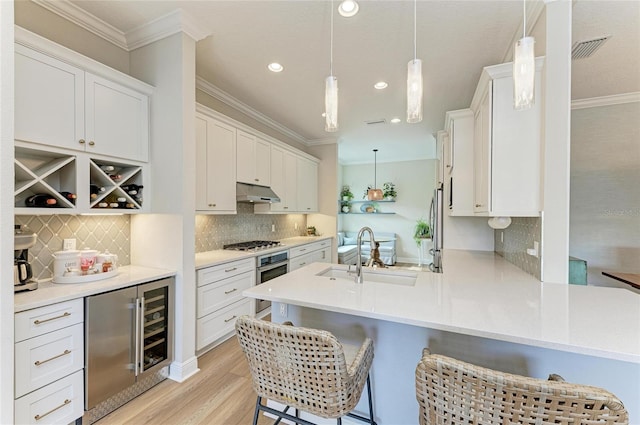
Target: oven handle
273	266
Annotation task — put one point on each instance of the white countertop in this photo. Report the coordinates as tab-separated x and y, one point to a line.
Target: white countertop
479	294
221	256
51	293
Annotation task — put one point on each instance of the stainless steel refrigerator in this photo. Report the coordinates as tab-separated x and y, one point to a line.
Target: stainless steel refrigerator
128	336
435	224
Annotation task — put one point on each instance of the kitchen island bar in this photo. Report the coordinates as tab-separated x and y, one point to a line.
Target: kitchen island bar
482	310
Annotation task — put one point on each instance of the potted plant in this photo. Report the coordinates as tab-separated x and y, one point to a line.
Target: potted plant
421	231
311	231
345	193
389	191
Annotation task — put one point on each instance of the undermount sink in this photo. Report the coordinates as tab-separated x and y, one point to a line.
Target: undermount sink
372	275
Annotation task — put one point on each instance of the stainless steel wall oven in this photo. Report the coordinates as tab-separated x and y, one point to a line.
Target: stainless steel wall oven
270	266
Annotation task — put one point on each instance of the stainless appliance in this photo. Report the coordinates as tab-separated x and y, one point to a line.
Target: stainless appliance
127	338
255	194
23	239
252	245
270	266
435	224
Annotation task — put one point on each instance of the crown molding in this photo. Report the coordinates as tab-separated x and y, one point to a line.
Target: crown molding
165	26
213	91
82	18
616	99
325	141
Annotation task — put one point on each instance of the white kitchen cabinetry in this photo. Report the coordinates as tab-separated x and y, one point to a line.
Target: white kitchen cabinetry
507	146
458	155
253	159
49	361
442	143
61	105
307	186
316	252
215	166
220	300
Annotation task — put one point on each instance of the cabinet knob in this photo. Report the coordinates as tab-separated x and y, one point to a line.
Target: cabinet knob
286	208
81	141
478	205
212	205
256	180
91	143
448	166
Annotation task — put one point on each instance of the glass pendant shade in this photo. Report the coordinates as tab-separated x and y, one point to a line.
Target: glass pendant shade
414	91
524	73
374	194
331	104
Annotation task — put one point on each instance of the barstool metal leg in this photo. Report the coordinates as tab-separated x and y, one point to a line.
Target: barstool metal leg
257	412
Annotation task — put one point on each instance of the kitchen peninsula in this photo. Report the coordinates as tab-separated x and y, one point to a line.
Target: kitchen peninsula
483	310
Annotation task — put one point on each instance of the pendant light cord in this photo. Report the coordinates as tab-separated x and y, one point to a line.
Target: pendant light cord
415	30
331	59
524	18
375	168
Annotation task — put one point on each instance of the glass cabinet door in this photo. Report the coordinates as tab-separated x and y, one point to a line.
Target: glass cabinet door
155	336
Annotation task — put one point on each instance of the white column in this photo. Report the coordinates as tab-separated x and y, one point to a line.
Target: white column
6	211
557	142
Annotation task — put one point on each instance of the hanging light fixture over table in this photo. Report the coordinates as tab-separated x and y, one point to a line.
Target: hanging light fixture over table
374	194
524	68
414	79
331	92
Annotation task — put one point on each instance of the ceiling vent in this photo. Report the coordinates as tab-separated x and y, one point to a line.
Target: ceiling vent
374	122
586	48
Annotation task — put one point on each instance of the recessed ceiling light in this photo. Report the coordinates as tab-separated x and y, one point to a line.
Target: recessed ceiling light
380	85
395	120
348	8
275	67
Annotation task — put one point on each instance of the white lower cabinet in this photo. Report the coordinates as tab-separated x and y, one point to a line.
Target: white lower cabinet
49	361
316	252
220	300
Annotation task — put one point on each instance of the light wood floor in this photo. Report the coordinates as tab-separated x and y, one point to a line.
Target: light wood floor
219	394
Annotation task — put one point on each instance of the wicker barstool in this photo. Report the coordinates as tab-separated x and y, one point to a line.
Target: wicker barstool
453	392
305	369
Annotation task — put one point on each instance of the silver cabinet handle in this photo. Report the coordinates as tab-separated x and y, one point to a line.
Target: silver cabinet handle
82	141
228	292
137	354
91	143
141	336
39	322
303	249
212	205
230	319
230	270
256	180
303	263
38	362
64	403
478	205
286	208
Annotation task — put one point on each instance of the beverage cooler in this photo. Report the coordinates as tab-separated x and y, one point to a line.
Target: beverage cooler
128	337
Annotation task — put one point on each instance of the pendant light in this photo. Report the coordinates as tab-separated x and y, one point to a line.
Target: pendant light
374	194
331	92
524	68
414	79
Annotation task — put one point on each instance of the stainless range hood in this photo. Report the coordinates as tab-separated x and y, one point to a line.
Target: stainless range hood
255	194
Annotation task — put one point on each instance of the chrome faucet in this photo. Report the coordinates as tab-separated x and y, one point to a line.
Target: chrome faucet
372	241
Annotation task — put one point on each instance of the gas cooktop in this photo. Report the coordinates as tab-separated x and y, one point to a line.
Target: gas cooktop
252	245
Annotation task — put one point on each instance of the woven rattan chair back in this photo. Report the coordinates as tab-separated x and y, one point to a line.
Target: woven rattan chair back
302	368
454	392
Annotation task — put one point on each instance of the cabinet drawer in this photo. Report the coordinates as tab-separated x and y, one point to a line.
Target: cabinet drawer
41	320
59	403
300	261
310	247
219	294
40	361
222	271
216	325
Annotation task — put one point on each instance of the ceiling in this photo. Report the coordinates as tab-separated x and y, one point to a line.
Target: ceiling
455	40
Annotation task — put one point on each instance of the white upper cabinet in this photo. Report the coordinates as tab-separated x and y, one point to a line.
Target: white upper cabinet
507	146
307	186
215	166
283	180
63	105
253	159
116	119
49	100
459	150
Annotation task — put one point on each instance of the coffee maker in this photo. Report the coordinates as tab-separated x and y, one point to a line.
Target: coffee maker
23	239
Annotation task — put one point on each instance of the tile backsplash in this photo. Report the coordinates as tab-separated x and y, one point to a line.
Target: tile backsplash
214	231
519	236
101	232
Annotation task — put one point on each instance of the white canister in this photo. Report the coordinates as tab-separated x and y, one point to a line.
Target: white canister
107	262
64	261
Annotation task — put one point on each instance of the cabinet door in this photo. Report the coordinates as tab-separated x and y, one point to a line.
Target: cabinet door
215	166
482	153
278	179
49	100
246	158
117	120
291	182
307	186
263	162
322	255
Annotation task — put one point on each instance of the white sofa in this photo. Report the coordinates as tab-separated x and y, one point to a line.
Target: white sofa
347	247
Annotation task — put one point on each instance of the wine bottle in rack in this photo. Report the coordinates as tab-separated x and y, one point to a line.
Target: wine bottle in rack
41	200
95	191
108	168
71	197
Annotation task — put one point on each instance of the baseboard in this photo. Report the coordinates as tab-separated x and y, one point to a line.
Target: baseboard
180	372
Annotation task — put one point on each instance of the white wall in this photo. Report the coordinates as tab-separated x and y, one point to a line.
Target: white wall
6	211
605	190
414	180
